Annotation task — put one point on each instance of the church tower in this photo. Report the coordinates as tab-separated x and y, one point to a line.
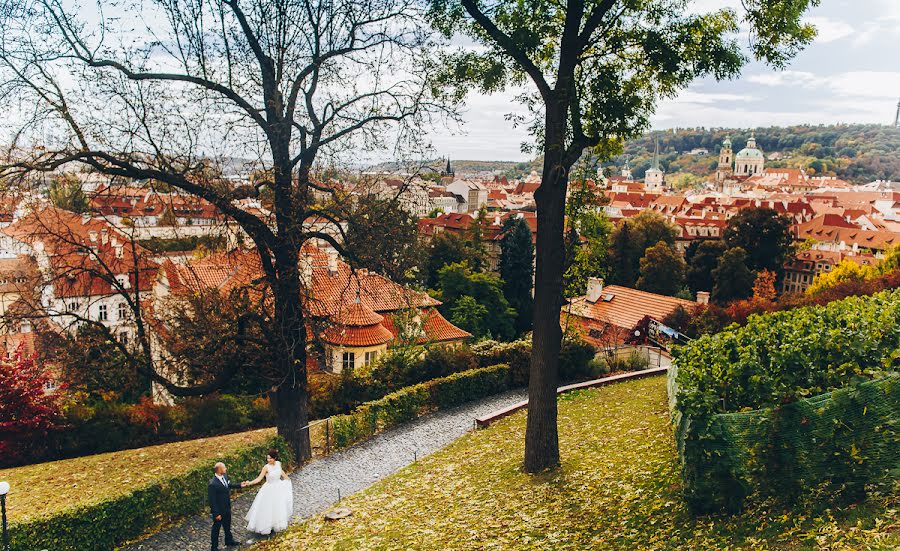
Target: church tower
626	171
724	170
448	171
654	177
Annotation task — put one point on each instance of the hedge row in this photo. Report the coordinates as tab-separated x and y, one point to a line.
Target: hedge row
844	439
786	402
108	524
408	403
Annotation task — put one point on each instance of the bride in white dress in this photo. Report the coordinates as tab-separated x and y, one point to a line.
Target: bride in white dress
274	504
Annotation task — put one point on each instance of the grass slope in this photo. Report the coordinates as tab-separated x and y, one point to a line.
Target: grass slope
618	488
57	485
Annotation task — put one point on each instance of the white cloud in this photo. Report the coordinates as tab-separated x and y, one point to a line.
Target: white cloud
784	78
830	30
868	84
693	96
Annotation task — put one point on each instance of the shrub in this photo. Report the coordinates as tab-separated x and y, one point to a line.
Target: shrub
574	358
791	367
440	361
107	524
408	403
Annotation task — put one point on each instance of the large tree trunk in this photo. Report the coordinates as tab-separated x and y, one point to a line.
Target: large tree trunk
541	437
291	396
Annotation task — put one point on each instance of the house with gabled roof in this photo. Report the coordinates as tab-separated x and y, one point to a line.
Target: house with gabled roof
353	315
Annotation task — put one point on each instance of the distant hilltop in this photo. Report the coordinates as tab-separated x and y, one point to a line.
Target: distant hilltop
858	153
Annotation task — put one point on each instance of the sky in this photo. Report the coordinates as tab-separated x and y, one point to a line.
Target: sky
850	74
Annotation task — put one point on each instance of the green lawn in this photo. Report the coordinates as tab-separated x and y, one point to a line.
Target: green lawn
618	488
47	488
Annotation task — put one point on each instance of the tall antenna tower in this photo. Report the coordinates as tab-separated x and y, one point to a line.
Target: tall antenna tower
897	116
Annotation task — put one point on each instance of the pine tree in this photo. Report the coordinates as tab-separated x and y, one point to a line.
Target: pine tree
622	251
517	269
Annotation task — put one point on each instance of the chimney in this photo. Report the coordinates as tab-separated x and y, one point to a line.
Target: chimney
104	236
114	241
594	289
85	218
120	251
702	297
92	235
332	264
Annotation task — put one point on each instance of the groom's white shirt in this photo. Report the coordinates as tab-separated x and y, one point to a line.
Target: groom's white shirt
222	480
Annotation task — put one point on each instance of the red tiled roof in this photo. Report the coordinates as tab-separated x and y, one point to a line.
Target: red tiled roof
356	314
627	307
368	335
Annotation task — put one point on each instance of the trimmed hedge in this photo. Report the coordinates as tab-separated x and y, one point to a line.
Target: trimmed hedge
846	438
408	403
105	525
790	401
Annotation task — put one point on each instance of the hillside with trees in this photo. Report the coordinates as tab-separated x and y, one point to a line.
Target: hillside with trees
858	153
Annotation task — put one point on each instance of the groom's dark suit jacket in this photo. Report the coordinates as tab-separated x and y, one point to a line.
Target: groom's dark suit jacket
220	496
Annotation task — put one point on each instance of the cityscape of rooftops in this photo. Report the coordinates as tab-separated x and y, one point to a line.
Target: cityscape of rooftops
472	274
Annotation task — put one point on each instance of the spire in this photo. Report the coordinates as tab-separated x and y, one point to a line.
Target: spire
751	143
897	116
449	170
656	155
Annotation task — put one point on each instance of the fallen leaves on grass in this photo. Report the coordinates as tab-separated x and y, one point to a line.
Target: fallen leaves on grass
46	488
618	488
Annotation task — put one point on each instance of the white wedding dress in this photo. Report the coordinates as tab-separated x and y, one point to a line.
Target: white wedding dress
274	504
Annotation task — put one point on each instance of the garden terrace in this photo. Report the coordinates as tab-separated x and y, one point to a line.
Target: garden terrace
99	501
618	488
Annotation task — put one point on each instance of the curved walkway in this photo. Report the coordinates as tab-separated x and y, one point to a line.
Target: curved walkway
316	485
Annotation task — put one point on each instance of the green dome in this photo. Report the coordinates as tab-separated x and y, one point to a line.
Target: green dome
749	153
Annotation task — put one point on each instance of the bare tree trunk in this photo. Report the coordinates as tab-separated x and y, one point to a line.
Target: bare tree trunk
541	435
291	394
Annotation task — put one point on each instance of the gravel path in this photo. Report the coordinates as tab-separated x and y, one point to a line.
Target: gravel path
317	484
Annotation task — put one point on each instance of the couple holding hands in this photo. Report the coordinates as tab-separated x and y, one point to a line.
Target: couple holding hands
271	510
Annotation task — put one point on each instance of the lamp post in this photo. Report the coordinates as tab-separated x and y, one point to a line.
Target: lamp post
4	489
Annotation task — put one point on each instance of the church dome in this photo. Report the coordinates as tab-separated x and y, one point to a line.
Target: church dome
751	151
748	153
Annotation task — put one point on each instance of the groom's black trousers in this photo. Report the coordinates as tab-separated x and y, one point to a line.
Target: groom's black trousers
217	525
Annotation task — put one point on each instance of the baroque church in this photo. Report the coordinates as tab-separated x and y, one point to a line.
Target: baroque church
733	169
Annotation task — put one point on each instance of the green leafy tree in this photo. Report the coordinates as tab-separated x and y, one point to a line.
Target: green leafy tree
383	237
66	193
517	269
643	231
458	280
764	234
91	364
598	68
475	241
733	279
589	247
702	257
468	314
662	270
444	249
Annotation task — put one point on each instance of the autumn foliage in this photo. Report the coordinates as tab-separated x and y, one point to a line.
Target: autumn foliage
27	412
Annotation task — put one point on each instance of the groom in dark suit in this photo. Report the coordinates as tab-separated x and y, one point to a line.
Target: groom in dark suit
219	491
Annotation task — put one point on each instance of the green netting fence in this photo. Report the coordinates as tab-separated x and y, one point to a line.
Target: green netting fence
844	439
